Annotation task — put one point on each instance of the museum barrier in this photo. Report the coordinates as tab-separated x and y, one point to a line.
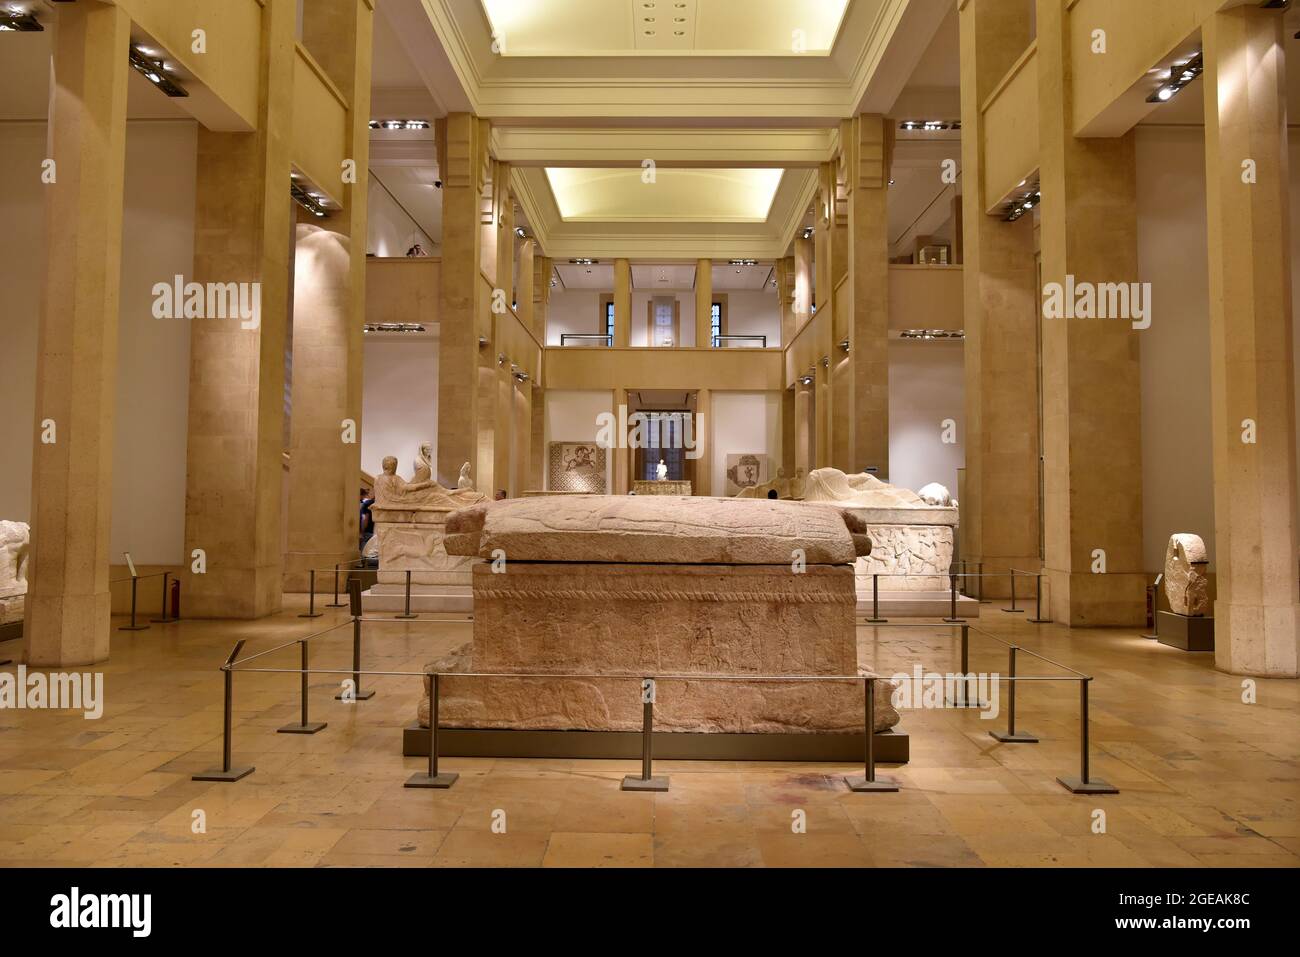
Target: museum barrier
352	692
135	585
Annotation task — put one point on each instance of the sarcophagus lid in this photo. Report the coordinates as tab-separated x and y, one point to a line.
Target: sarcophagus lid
658	530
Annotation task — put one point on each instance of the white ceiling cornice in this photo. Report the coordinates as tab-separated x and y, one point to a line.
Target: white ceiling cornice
680	147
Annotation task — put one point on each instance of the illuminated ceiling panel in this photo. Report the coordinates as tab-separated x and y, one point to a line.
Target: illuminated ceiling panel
674	195
577	28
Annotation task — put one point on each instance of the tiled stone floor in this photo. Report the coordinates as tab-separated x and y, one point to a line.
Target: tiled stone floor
1205	780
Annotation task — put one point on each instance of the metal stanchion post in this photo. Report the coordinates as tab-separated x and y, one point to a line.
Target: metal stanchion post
354	601
432	779
227	772
962	696
1011	736
868	781
306	726
1013	609
1083	784
875	618
647	781
336	603
1152	596
311	601
166	619
1038	618
407	613
952	618
133	626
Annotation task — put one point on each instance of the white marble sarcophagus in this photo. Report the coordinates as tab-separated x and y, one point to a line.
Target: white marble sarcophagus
622	588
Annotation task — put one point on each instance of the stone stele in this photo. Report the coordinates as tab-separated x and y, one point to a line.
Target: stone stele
628	587
1187	585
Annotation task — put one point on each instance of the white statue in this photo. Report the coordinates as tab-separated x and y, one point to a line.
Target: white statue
424	463
465	481
15	538
662	471
1186	583
936	494
393	491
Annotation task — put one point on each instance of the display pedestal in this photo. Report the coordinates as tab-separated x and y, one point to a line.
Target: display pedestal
1184	633
665	487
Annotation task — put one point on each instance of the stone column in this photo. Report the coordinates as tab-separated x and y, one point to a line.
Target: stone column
803	282
1091	374
805	428
704	437
1002	315
542	267
1252	380
823	240
525	291
823	450
504	201
704	304
538	464
522	432
462	148
788	420
621	456
785	295
328	319
235	455
67	609
622	303
870	145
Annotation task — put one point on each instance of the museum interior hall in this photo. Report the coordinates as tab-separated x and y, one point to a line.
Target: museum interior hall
816	433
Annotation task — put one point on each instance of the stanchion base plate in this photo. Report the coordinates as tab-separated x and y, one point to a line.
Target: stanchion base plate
405	617
1095	786
634	783
1020	737
965	703
7	661
1039	621
954	621
234	774
319	614
1014	611
860	783
336	604
876	621
358	696
441	782
134	628
303	728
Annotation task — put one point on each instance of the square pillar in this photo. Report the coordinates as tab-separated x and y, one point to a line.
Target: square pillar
329	272
67	611
235	456
462	158
622	303
785	294
525	292
870	147
704	304
803	283
1252	379
1091	371
704	444
1002	311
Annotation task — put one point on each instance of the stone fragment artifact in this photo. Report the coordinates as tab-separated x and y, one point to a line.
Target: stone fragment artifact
1187	584
15	542
659	586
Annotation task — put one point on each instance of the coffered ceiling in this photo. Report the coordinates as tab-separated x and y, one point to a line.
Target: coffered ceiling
670	195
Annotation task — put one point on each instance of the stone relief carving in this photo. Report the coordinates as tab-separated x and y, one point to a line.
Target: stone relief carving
1187	585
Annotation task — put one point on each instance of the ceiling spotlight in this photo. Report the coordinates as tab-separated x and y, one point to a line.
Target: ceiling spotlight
155	72
744	262
394	125
806	380
583	262
808	232
1181	73
314	203
521	232
844	345
15	21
